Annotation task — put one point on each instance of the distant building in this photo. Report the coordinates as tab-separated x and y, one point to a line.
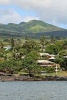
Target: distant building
45	63
7	47
44	54
65	56
47	56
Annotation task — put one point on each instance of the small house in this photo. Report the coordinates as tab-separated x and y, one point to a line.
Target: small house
45	63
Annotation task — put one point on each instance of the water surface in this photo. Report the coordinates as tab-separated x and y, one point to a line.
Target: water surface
44	90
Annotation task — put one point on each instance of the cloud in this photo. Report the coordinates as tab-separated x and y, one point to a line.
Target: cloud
52	11
12	16
28	18
5	2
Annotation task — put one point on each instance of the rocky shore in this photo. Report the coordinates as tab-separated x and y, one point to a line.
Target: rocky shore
27	78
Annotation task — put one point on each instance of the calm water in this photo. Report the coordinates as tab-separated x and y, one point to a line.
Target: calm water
33	90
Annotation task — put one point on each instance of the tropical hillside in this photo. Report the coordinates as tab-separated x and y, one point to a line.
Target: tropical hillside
33	57
33	28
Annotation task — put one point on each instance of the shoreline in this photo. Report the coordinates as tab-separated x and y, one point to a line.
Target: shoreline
27	78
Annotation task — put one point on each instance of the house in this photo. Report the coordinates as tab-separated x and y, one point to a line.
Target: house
47	56
44	54
52	58
65	57
45	63
7	47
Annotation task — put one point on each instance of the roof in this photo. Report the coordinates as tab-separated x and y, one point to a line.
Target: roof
65	56
47	54
52	55
41	54
7	47
44	61
52	58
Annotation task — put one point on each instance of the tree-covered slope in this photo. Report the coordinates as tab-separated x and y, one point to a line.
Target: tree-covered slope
37	26
31	28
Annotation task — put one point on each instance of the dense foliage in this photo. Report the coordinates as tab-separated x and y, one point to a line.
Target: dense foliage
24	53
34	28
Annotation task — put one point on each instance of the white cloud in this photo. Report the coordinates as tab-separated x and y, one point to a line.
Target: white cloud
52	11
5	2
28	18
11	16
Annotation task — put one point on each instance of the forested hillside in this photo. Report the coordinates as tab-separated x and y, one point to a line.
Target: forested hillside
33	28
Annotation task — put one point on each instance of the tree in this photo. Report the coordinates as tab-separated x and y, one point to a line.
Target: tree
12	43
29	62
53	39
63	53
30	45
65	44
64	63
10	66
52	49
42	42
60	59
1	44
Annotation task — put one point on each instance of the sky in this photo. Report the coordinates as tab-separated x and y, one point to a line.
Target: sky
49	11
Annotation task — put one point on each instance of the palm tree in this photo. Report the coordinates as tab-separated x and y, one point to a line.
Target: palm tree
42	42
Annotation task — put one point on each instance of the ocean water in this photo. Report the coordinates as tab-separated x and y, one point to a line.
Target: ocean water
37	90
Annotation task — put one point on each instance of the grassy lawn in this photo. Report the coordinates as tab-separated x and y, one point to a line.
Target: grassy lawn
60	74
22	73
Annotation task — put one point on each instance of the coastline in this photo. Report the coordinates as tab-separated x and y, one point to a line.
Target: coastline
27	78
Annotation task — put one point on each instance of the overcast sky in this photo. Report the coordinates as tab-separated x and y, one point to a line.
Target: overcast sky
50	11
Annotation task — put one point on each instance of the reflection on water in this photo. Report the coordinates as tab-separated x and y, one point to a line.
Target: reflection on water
33	90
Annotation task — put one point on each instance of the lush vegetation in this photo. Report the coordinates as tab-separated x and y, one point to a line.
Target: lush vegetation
34	29
19	55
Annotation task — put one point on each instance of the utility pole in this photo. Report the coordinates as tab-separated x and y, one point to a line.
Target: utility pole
56	69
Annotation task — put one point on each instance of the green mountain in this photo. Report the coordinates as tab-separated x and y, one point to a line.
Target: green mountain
37	26
33	28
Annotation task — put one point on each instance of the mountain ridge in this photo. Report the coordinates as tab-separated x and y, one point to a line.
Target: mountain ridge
30	28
